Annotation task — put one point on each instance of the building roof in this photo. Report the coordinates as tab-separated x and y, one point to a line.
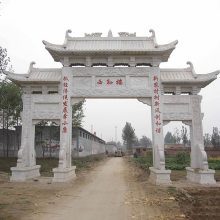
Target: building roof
168	76
93	44
36	75
187	75
89	133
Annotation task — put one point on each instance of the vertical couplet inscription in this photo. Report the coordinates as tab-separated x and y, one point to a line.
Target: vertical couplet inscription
65	104
156	105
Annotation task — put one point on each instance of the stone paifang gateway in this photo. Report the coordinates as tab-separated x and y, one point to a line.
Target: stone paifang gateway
48	94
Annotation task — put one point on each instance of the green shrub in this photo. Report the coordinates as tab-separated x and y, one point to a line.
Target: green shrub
214	164
182	158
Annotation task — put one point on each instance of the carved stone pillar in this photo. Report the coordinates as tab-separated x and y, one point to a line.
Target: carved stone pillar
65	170
26	163
158	174
198	171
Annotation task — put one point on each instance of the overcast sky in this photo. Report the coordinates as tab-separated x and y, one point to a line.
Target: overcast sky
195	24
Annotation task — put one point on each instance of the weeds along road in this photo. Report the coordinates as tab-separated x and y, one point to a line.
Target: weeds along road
100	197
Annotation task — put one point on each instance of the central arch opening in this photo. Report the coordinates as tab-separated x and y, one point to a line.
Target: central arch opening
107	118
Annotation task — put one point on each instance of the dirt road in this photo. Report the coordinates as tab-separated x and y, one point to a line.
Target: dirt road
113	188
100	197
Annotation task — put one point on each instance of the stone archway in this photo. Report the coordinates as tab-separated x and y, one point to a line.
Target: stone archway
57	89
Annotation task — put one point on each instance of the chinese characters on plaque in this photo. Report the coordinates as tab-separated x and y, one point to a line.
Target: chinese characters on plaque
156	105
65	104
110	82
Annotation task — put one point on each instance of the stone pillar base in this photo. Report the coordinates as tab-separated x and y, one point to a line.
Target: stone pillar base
200	176
159	177
21	174
63	174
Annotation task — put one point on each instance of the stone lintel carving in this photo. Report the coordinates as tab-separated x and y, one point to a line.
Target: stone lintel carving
95	34
195	90
165	122
46	115
47	99
177	116
127	34
188	123
156	62
147	101
176	99
37	121
111	71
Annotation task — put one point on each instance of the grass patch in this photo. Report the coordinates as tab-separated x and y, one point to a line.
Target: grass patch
172	190
177	162
214	164
47	164
143	162
7	163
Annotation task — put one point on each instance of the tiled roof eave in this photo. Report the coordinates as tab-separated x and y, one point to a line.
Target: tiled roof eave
64	51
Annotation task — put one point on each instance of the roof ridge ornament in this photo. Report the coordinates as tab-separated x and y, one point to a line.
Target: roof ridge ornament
95	34
191	67
69	31
110	33
31	67
126	34
66	37
153	36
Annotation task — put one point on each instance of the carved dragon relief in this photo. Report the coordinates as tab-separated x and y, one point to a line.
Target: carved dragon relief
95	34
127	34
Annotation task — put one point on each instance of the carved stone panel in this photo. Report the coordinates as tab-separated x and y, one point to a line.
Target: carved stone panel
46	107
82	82
176	108
111	82
140	82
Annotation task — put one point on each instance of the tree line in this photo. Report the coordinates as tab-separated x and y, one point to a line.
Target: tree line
130	139
178	137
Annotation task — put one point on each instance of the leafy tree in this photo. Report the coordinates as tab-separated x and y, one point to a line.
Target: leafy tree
119	144
169	138
215	137
128	135
4	61
10	108
177	136
145	141
184	136
207	139
78	114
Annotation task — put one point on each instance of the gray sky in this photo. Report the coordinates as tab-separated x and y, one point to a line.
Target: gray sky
195	24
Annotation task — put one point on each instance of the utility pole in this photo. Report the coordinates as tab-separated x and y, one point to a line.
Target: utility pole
116	135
